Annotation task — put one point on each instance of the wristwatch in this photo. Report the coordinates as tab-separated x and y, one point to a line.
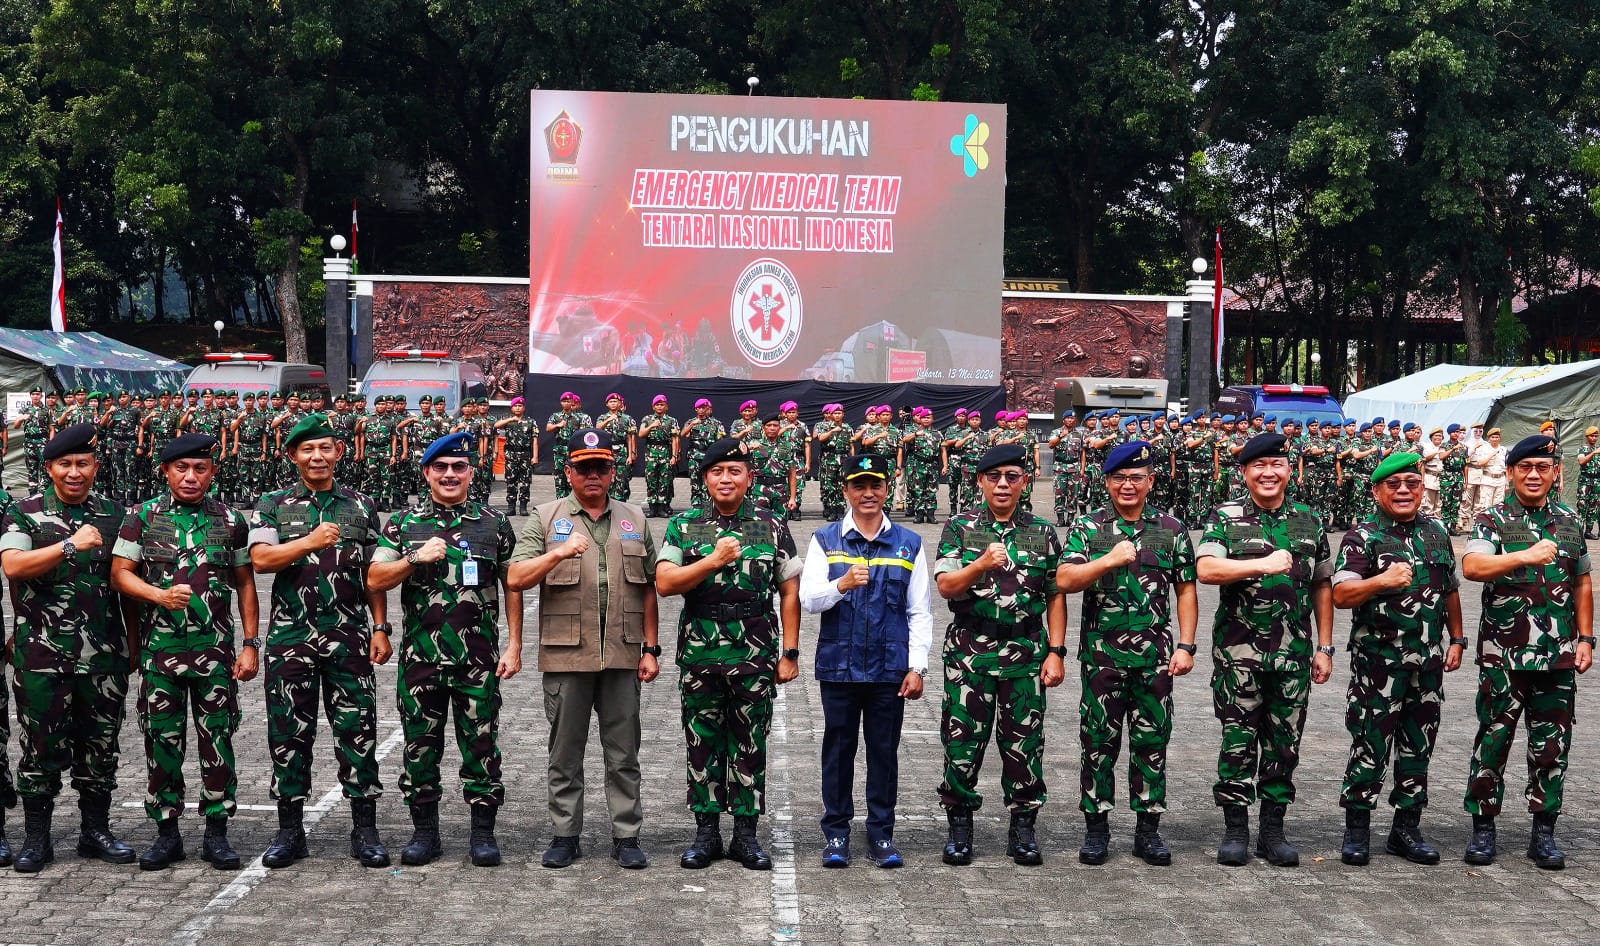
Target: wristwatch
253	642
1058	651
920	671
653	650
68	549
1329	650
1186	648
1586	639
792	653
1461	642
384	628
411	556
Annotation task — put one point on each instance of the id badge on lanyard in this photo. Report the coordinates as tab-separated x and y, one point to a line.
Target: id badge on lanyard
469	568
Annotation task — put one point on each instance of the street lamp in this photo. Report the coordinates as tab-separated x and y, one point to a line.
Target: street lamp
337	244
752	82
1199	265
218	326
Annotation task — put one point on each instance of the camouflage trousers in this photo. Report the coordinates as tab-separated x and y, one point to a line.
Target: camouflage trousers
206	690
1262	713
622	483
977	705
349	694
248	485
427	693
558	463
1450	488
68	722
1066	496
124	462
8	791
482	479
726	718
829	483
1548	698
377	476
1589	497
697	483
1143	697
519	477
658	482
33	453
922	486
1392	709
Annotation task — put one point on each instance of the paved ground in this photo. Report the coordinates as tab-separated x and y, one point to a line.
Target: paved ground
331	899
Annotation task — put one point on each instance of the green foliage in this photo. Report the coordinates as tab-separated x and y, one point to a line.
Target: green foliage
1510	337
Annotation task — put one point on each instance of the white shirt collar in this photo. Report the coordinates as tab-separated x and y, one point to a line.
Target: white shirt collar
849	526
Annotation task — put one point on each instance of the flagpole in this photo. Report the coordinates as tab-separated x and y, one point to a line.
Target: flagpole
1217	320
58	281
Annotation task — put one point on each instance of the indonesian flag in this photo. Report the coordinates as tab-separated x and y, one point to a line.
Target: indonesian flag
355	232
1217	327
58	282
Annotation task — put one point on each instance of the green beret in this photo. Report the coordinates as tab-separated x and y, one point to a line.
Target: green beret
309	427
1396	463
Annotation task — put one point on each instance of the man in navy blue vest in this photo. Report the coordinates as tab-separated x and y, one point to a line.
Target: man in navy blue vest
868	578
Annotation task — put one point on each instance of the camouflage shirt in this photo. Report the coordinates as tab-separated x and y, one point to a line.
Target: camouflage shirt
1127	614
1404	628
68	620
520	434
321	599
924	444
619	425
1530	616
1266	622
772	460
767	559
1015	596
170	544
123	424
35	422
252	434
700	434
571	422
447	621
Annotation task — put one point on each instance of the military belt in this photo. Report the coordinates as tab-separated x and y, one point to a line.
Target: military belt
1031	625
728	611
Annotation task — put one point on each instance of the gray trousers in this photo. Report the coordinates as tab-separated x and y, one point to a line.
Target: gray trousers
570	699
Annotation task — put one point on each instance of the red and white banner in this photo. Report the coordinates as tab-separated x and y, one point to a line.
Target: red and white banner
58	282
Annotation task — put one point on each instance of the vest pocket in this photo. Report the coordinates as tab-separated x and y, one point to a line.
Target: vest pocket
561	606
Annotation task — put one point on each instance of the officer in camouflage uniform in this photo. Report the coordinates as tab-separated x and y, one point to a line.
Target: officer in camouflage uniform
488	439
1066	452
377	439
776	470
877	436
795	430
35	424
997	569
1272	561
522	455
70	653
561	426
832	437
1098	442
922	445
315	540
1396	571
1128	560
746	428
1536	634
660	433
953	449
728	559
1453	479
1589	482
156	431
1362	458
448	555
183	556
696	437
624	430
248	446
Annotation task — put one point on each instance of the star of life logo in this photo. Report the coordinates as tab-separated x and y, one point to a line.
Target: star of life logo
766	312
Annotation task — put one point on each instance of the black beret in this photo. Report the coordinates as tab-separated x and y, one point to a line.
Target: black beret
1264	445
188	445
1538	445
723	451
772	418
78	438
1005	454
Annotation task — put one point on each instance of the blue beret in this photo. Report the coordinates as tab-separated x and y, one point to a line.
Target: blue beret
1538	446
457	444
1377	420
1409	427
1225	418
1172	418
1005	454
1394	423
1131	454
1067	414
1270	418
1364	428
1452	428
1264	445
1131	422
188	445
78	438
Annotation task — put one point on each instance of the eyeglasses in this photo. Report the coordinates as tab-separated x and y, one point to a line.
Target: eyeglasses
1128	479
1393	485
1535	466
439	466
592	468
1009	476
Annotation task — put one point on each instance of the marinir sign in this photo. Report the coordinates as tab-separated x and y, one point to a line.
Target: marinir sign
684	235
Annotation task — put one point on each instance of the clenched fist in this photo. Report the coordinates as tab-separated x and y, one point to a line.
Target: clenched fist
1397	576
1278	563
324	536
177	597
432	550
1123	553
87	537
726	551
1542	552
855	578
574	546
993	557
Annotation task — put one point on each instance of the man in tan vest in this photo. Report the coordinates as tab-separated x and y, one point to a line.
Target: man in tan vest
594	562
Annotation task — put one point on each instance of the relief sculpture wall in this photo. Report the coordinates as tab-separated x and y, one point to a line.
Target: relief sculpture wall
1042	339
482	323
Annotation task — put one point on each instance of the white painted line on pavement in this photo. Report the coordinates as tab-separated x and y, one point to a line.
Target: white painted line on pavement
228	897
785	892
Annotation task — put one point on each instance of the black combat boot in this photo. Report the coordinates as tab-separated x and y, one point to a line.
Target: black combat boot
958	849
36	850
365	845
481	846
5	845
289	844
214	846
1021	844
1234	851
167	849
1270	842
707	844
745	846
1147	840
1406	840
1357	848
1480	848
424	845
1542	848
562	852
1096	847
94	833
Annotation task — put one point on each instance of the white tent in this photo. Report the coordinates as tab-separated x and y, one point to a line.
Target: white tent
1516	399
